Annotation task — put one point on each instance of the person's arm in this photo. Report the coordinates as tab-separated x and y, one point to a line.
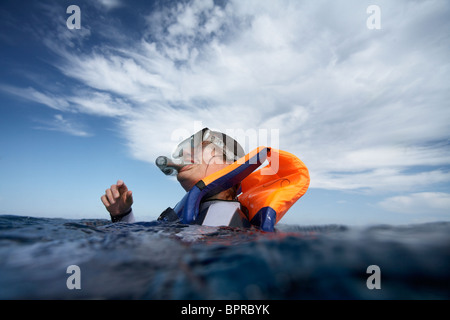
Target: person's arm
118	200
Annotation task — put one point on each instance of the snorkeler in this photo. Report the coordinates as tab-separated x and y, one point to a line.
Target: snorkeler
224	186
195	158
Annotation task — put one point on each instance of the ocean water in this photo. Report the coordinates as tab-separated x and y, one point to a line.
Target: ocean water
153	260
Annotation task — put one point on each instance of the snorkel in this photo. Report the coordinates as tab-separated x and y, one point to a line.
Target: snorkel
189	151
167	166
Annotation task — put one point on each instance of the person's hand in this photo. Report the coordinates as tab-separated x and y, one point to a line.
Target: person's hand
117	199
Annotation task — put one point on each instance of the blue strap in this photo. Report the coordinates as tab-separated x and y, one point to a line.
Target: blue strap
265	219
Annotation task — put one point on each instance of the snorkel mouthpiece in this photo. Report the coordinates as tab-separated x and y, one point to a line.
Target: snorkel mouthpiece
167	166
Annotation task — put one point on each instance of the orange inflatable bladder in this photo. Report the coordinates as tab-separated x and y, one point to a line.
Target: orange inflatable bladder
269	192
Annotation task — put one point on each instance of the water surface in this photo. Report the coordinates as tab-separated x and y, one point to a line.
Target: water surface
152	260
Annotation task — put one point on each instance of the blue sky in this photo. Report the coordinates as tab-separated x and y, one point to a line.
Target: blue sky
366	109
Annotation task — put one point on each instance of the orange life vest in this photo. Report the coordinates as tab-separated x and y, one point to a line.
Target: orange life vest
267	192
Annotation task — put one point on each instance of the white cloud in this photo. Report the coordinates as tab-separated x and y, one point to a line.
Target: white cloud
99	103
61	124
110	4
84	101
50	100
419	203
360	107
379	180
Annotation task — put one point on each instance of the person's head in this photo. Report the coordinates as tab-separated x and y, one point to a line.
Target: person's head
206	152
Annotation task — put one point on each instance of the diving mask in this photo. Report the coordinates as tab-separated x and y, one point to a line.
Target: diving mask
190	151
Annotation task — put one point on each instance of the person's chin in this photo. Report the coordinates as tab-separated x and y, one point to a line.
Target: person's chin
185	178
